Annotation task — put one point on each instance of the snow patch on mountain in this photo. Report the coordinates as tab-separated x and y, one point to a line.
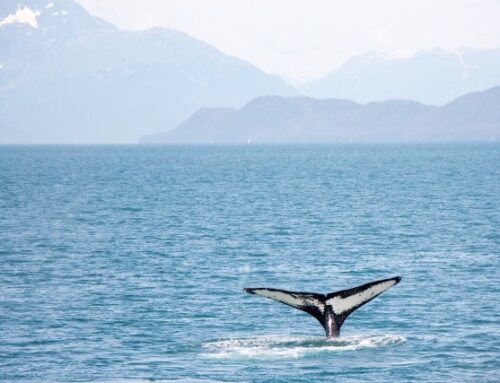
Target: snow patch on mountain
22	16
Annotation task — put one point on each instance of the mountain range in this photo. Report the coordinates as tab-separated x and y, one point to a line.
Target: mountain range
69	77
432	77
473	117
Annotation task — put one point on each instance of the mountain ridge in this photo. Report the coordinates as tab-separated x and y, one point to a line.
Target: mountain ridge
273	119
75	78
432	77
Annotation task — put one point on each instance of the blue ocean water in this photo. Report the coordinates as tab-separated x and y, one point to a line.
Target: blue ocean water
127	263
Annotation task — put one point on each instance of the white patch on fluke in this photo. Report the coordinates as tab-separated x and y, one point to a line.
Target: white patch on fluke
289	298
22	16
341	305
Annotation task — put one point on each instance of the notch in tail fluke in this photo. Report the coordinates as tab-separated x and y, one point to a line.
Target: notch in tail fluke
332	309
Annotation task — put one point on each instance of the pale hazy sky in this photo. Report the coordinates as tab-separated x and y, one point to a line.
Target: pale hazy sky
303	39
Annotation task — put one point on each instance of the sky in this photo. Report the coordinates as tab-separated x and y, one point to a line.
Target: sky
306	39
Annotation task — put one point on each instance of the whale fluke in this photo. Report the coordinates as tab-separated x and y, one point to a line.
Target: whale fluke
331	310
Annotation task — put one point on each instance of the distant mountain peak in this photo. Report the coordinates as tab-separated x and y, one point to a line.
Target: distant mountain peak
85	81
64	19
435	76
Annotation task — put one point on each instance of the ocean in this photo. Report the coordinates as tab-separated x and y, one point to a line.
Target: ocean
128	263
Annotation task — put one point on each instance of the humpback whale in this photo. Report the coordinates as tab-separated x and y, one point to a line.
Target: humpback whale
331	310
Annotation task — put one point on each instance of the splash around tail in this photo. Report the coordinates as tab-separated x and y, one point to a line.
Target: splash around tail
285	347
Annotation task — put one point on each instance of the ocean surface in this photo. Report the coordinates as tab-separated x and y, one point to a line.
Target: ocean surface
127	263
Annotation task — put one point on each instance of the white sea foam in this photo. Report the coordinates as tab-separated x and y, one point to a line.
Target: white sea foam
182	380
293	347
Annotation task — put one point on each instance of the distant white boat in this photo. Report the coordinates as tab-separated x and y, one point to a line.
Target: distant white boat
249	141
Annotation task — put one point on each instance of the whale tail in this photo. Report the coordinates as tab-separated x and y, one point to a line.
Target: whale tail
331	310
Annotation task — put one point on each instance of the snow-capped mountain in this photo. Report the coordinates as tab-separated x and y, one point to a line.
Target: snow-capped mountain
69	77
434	77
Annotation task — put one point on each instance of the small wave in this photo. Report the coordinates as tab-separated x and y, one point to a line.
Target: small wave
294	347
154	380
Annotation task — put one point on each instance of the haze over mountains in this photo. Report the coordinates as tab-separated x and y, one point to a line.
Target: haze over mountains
434	77
69	77
474	117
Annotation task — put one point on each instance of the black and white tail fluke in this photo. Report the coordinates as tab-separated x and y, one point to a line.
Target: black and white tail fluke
330	310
